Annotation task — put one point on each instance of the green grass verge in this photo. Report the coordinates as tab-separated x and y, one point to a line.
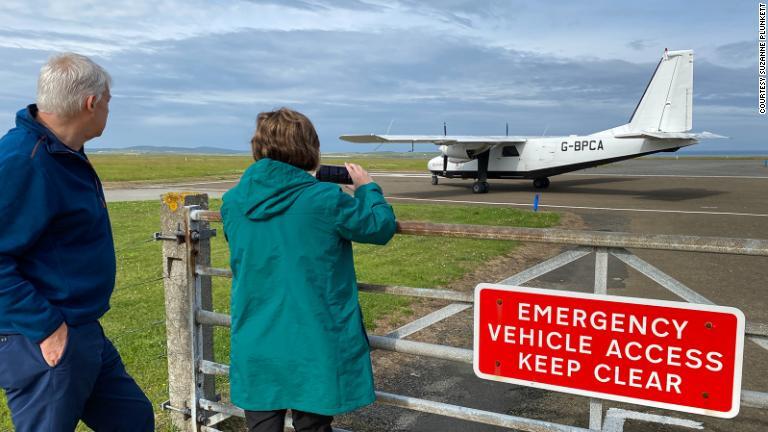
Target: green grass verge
383	163
166	168
136	322
155	168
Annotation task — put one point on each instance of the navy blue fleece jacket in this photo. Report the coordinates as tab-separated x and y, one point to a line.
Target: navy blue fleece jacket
57	257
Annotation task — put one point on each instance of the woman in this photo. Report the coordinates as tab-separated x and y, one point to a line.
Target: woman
298	340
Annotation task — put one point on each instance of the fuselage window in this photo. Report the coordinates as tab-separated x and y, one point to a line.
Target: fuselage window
509	151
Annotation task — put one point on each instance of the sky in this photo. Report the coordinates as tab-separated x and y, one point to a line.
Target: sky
193	73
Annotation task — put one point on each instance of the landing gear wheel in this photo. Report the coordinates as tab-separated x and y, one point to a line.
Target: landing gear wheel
434	180
541	183
480	187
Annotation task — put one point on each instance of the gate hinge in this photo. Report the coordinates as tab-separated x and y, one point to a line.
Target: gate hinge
166	406
203	234
178	236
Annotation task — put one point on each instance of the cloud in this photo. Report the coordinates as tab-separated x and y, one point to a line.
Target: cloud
189	120
298	67
740	53
316	5
640	44
198	71
106	28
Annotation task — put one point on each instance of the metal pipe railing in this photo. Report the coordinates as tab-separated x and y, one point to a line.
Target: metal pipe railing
234	411
431	293
433	407
377	342
749	398
416	404
462	355
759	330
720	245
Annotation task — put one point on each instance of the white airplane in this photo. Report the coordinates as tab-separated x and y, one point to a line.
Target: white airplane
660	123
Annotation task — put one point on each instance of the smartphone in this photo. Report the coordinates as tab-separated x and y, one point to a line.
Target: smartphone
333	174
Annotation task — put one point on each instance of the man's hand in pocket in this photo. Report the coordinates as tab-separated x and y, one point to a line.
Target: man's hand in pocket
53	346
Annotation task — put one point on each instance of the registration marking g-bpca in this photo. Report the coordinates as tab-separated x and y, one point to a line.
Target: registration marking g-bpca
673	355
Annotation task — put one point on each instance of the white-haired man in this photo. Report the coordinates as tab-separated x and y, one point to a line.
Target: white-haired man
57	263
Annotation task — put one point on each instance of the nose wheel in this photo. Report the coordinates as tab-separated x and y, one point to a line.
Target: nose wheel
480	187
434	180
541	183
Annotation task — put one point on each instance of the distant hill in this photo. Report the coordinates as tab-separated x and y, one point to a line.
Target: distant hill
169	150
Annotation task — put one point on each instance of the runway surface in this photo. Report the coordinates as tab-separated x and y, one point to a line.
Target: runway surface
697	198
726	198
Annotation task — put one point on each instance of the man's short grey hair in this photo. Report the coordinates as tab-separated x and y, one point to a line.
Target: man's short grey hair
66	80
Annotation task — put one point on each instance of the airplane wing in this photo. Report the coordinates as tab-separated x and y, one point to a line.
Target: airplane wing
434	139
670	135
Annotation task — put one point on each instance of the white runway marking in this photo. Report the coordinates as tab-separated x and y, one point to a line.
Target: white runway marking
584	207
670	175
408	175
616	417
418	175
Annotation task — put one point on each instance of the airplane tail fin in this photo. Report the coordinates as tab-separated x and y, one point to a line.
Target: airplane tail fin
667	104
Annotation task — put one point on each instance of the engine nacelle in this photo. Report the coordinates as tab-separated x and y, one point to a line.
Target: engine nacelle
463	152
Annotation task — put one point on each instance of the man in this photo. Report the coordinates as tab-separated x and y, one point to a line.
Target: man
57	263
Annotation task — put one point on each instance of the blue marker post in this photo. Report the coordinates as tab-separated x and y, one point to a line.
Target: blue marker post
536	199
765	163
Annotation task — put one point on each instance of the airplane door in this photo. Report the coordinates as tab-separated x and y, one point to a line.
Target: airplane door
507	158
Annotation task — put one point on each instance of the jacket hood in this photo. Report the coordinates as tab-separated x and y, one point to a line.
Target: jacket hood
268	188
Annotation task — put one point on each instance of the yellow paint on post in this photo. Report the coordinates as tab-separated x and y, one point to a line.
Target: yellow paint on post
174	200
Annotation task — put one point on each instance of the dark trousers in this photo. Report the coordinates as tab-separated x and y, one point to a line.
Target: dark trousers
273	421
89	384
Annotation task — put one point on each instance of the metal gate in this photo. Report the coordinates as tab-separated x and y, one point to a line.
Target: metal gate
195	406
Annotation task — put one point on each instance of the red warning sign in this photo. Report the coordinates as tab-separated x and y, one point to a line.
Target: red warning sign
673	355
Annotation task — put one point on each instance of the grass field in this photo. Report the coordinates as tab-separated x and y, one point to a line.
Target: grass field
136	322
155	168
159	168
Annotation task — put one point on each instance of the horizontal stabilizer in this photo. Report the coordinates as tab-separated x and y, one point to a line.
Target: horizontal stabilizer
670	135
432	139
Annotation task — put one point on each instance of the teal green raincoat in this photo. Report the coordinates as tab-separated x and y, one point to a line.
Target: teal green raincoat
297	332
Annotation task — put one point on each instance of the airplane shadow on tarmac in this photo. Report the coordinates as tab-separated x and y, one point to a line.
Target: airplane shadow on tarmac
586	186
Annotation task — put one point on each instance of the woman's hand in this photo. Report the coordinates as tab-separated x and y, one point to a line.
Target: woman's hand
359	176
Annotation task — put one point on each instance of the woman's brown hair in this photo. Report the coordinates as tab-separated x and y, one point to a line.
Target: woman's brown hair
287	136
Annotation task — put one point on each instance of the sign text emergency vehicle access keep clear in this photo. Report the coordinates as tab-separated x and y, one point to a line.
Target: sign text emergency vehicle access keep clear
672	355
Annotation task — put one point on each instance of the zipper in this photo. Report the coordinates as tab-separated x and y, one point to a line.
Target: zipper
37	145
99	188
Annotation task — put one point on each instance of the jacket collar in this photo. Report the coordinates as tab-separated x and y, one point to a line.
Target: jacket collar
27	119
